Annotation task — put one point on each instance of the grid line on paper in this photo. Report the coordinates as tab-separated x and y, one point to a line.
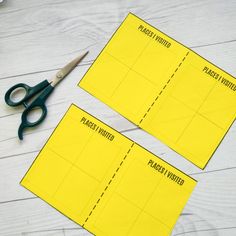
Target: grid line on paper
164	87
112	178
130	68
199	114
72	163
142	209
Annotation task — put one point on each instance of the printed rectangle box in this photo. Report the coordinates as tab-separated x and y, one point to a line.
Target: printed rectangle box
165	88
106	182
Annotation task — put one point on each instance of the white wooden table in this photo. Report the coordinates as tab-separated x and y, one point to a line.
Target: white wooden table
39	37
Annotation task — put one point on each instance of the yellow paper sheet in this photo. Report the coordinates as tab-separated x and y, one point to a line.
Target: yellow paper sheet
164	88
106	182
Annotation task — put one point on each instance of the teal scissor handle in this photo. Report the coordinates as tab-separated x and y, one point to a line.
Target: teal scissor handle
39	102
29	92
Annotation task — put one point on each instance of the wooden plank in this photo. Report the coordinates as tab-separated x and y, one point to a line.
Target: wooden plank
44	35
31	215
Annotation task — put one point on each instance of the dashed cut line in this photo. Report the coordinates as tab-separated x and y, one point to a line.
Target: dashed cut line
164	87
112	178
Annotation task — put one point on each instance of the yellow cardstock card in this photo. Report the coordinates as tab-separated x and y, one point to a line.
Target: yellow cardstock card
106	182
164	88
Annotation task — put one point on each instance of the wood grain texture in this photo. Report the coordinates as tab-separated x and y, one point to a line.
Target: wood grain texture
39	37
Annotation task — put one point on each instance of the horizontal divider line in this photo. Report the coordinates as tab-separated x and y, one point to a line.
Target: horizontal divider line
42	71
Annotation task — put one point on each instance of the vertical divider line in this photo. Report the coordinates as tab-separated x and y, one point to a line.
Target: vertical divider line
164	87
109	183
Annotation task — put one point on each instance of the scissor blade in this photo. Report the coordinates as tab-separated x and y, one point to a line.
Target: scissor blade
61	74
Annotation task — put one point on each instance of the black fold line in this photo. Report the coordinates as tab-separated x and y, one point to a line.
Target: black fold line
212	44
212	171
42	71
18	200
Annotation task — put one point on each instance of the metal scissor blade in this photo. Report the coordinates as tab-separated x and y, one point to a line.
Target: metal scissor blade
61	74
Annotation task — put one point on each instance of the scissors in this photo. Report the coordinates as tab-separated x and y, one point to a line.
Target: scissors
43	89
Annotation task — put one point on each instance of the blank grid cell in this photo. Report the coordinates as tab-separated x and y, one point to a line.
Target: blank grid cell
133	93
43	179
156	64
170	119
167	192
97	157
75	191
148	225
140	186
71	143
200	138
191	86
107	74
220	106
117	217
123	44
